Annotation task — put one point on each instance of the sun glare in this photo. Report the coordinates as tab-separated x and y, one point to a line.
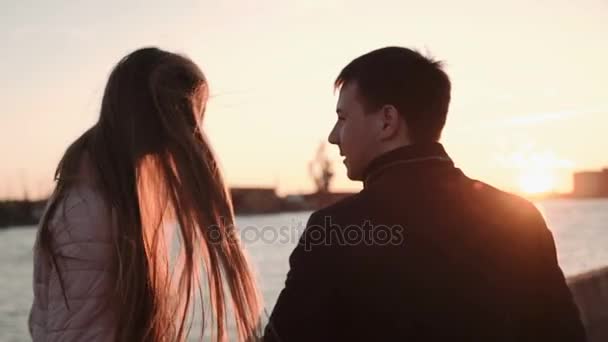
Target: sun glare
536	181
537	171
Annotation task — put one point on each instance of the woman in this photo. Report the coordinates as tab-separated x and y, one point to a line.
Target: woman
103	267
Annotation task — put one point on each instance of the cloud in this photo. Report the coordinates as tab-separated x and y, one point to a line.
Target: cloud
539	118
527	120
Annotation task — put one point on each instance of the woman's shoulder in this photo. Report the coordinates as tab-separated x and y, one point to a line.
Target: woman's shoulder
81	214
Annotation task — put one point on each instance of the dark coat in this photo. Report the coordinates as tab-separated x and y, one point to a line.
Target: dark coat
424	253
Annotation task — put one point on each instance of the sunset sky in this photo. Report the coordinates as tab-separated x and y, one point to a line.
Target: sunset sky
530	92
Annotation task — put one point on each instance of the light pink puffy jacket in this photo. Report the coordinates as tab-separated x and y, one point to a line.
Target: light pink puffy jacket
81	230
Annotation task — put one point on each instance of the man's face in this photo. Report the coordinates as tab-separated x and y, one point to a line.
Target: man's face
355	132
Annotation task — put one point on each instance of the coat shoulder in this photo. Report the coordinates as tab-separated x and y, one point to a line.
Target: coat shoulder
505	199
508	208
81	215
344	207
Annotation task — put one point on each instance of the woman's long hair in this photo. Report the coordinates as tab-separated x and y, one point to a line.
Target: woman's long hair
154	165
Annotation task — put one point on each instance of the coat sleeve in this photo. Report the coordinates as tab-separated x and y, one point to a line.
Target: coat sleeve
80	287
555	315
303	311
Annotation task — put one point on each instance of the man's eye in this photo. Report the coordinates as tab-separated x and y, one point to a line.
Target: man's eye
340	118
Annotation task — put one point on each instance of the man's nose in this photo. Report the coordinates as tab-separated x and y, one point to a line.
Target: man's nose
333	137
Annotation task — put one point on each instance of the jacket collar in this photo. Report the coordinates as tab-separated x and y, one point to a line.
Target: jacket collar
406	156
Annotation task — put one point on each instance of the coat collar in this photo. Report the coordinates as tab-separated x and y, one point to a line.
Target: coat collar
406	156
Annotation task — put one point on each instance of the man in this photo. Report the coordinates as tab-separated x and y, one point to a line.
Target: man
422	253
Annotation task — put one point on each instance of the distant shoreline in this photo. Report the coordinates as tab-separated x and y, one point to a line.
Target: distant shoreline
25	214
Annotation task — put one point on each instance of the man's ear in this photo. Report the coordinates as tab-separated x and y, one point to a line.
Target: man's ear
390	122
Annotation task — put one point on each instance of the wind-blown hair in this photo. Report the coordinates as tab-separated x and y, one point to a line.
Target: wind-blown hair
154	166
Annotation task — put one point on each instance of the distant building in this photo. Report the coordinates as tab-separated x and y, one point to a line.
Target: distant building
255	200
323	199
21	213
591	184
265	200
297	203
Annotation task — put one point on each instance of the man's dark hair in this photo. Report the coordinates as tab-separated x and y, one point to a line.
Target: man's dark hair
416	85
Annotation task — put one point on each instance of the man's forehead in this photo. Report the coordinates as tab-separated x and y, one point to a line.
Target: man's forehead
349	93
341	105
349	89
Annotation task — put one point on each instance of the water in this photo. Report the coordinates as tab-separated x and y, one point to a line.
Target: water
580	228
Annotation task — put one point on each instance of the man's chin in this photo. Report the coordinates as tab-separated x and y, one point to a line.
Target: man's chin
354	176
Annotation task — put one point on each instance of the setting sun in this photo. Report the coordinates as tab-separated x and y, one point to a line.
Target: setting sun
537	171
536	181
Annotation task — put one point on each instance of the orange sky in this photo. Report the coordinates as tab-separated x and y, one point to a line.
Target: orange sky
529	95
